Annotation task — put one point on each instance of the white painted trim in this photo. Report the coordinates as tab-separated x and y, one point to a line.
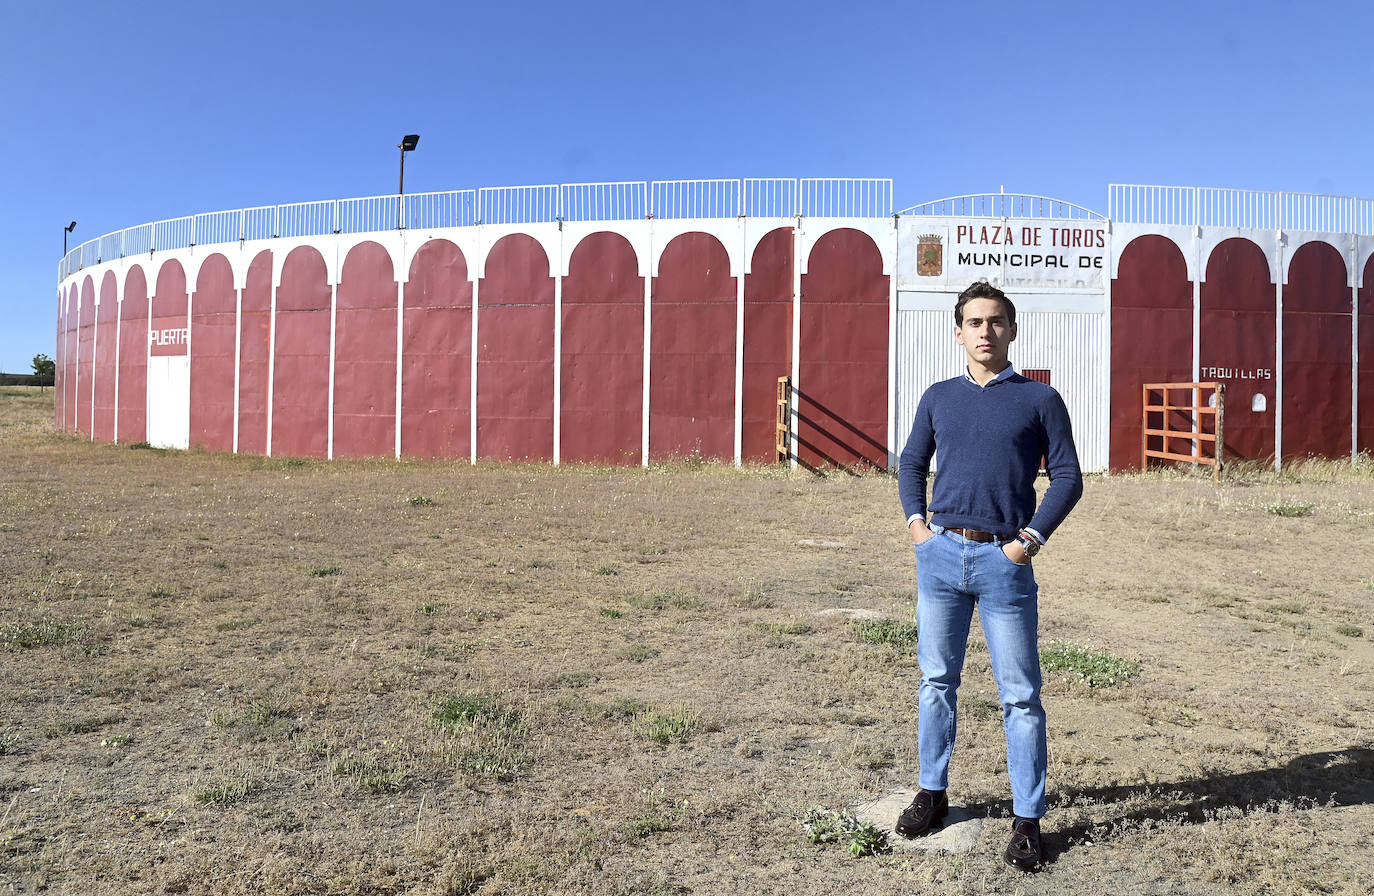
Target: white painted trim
150	291
892	424
1179	235
479	264
723	230
798	263
647	349
400	357
739	341
190	349
272	350
1278	353
95	335
119	338
1296	239
238	362
1104	398
1354	366
557	265
1196	367
333	339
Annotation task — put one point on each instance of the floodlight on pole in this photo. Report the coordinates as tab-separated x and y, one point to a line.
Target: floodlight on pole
407	144
66	230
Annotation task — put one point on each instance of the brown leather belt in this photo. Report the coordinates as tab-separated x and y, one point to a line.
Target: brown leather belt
973	534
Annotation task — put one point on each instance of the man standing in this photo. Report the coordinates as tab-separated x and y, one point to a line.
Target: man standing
992	429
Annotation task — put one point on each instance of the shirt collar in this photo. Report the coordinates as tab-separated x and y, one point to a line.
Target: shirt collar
1006	373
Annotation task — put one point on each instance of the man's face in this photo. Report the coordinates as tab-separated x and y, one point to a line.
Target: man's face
986	335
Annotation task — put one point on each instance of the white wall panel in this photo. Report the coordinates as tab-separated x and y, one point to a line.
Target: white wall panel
1068	344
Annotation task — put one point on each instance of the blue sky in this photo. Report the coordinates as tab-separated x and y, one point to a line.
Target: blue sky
118	114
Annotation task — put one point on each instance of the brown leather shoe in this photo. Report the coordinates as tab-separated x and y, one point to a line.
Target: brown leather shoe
924	813
1023	852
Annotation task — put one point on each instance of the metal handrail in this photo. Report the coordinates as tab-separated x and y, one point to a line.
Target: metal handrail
1242	209
549	203
1002	205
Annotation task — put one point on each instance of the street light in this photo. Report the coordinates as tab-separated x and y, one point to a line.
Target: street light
66	230
408	143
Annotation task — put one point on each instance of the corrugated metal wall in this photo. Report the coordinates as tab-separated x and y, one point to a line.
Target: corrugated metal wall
1070	344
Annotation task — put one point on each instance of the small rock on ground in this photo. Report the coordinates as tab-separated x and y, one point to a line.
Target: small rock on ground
819	543
959	834
853	613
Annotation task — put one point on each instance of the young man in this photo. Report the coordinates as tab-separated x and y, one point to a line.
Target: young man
990	429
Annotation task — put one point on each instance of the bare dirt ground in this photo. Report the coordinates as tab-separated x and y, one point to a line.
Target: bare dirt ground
244	675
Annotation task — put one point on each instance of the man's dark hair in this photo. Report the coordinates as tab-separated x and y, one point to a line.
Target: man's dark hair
983	290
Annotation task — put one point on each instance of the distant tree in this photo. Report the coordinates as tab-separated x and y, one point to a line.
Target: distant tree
44	368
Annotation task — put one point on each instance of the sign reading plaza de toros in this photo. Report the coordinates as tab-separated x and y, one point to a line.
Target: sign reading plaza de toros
939	253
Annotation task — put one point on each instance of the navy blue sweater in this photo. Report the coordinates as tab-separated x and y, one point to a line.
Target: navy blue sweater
990	441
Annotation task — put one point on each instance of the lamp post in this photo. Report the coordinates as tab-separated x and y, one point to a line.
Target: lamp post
66	230
408	143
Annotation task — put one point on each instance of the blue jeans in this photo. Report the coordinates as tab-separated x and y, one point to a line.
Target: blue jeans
953	575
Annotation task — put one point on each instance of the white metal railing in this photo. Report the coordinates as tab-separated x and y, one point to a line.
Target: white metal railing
1138	204
1242	209
1002	205
845	197
457	208
620	201
695	199
767	197
518	205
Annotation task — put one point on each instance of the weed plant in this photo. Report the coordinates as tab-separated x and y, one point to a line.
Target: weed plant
860	838
1095	668
899	635
664	727
1291	508
46	632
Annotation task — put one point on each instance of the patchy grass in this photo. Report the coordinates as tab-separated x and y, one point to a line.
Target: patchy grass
467	710
228	792
666	726
1095	668
46	632
1291	508
891	632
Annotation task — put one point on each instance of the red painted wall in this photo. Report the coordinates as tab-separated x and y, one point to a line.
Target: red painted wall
1366	366
515	352
1238	335
365	355
436	357
133	358
841	393
1316	354
85	364
1152	336
255	350
300	376
106	357
767	341
603	353
214	309
692	371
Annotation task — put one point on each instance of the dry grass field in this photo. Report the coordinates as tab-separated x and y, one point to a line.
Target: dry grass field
228	675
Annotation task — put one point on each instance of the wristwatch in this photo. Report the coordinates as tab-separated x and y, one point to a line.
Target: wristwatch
1028	544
